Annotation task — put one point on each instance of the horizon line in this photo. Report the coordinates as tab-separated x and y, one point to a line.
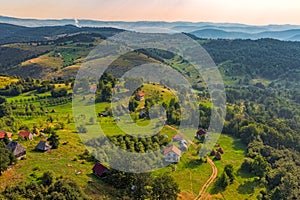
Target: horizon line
134	21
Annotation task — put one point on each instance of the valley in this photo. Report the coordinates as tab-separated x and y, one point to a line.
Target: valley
259	141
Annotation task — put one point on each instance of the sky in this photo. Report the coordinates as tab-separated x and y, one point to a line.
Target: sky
255	12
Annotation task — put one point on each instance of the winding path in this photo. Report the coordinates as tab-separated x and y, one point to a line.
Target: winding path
209	181
211	178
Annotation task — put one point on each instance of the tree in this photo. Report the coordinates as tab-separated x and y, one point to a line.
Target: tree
5	110
142	188
6	139
60	92
165	188
47	178
62	189
4	158
248	133
54	140
260	166
223	181
2	100
228	169
106	94
12	158
247	165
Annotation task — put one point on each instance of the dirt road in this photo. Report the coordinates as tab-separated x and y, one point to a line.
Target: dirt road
209	181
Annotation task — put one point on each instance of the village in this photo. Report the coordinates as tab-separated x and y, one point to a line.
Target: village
40	142
172	153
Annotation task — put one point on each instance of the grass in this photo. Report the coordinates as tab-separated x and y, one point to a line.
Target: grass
44	61
245	185
190	173
62	161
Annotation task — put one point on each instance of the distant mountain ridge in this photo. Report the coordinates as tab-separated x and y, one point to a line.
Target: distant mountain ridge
12	33
199	29
287	35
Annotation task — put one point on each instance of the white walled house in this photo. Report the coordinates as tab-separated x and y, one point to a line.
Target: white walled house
172	154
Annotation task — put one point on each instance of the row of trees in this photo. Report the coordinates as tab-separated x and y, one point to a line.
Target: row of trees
132	143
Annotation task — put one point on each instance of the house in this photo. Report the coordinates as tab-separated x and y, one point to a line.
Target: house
142	114
172	154
177	138
183	145
3	133
26	135
99	169
17	149
200	133
93	89
140	96
43	146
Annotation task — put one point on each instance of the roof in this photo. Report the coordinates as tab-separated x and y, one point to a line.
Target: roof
183	142
183	146
178	136
99	169
173	149
3	133
93	87
43	146
201	132
24	133
141	94
15	147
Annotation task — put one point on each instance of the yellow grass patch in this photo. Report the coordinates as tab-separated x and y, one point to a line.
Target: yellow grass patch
45	61
4	81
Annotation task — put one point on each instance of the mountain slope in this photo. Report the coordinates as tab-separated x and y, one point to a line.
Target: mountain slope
13	34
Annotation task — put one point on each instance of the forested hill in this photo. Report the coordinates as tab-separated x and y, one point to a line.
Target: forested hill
13	34
265	58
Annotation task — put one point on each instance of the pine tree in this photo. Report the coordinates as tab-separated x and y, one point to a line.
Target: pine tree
54	140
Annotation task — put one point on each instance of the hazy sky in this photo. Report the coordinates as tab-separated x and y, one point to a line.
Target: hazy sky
242	11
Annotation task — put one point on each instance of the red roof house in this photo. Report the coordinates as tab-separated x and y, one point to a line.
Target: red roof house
93	89
140	96
26	135
172	154
3	133
177	138
99	169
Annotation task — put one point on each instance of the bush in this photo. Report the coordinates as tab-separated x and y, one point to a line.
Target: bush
82	129
47	178
59	125
60	92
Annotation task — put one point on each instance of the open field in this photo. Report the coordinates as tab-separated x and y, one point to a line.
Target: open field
244	186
